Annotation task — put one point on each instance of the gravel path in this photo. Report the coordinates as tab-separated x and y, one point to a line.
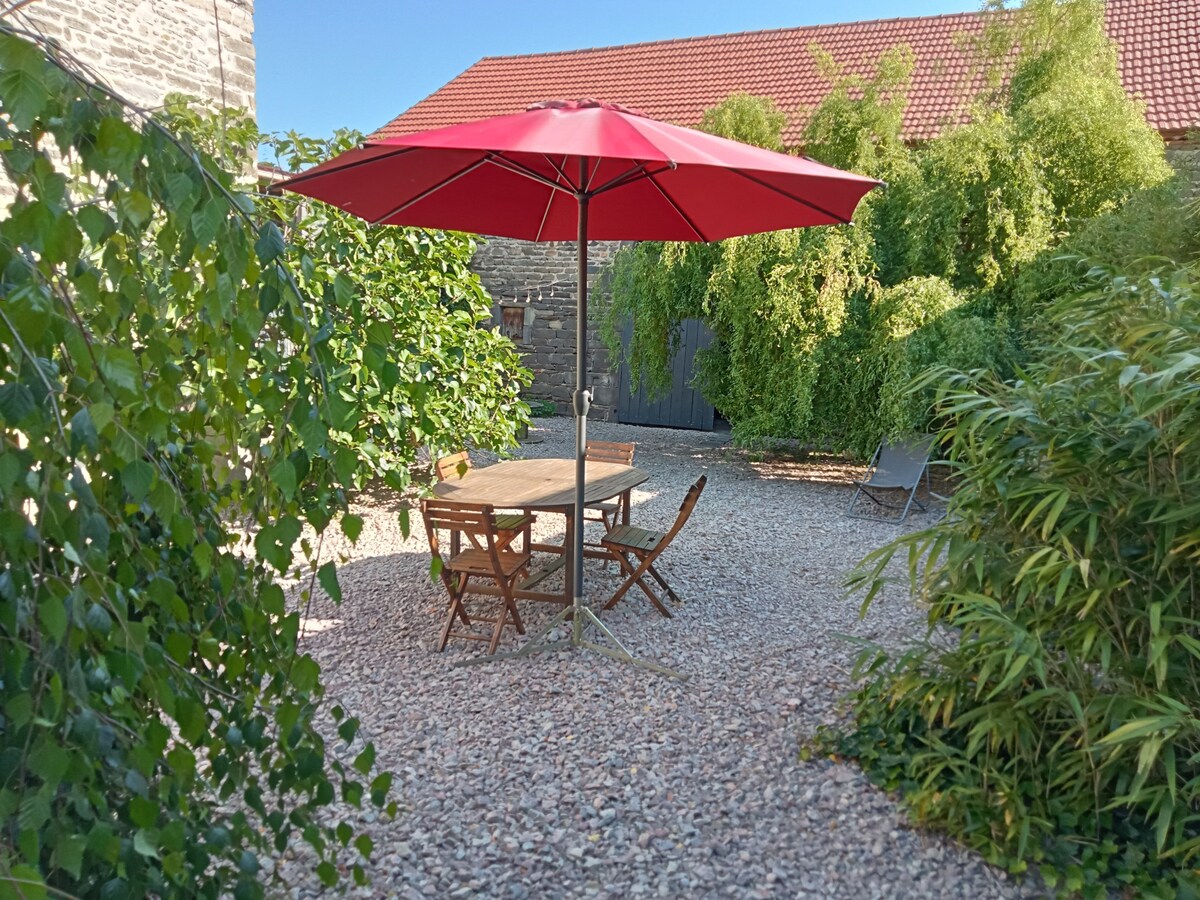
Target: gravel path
570	774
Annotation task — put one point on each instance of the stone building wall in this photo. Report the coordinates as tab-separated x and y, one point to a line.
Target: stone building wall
146	49
533	288
1185	158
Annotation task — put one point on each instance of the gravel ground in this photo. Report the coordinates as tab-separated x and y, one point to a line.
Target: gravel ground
571	774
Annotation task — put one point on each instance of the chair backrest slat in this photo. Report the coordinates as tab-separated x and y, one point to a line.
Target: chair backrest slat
610	451
456	465
685	509
465	518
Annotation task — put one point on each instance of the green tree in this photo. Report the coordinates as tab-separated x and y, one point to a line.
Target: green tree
426	366
1067	102
1043	153
755	120
187	396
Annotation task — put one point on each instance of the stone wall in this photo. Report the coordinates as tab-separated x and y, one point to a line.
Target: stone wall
533	287
145	49
1185	158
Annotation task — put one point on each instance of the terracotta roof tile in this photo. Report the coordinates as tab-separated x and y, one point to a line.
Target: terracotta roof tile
676	80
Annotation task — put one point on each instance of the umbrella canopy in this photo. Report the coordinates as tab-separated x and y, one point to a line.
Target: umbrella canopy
582	170
517	176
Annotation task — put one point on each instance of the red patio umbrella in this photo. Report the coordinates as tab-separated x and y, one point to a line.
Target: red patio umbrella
582	170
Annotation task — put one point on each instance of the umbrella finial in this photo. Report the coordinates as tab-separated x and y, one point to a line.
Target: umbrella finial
587	104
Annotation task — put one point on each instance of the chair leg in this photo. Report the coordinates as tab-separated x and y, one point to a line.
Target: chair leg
663	584
912	498
625	565
854	501
507	608
635	577
456	609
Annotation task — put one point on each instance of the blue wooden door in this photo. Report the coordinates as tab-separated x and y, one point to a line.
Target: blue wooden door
682	406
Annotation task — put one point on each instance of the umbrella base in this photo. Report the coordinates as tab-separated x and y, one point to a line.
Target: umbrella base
540	643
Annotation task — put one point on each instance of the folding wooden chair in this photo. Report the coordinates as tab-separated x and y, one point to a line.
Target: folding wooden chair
614	452
628	542
509	525
896	466
497	568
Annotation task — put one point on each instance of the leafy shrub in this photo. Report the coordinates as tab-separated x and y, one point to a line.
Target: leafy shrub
978	208
1156	227
426	365
1066	100
1050	716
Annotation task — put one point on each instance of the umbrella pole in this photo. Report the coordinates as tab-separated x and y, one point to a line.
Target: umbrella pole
581	402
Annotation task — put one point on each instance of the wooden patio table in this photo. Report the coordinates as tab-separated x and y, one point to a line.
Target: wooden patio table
544	485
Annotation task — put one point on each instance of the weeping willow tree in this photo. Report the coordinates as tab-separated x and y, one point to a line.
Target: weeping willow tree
806	346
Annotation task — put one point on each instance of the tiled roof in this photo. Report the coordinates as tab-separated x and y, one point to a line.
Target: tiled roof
1158	41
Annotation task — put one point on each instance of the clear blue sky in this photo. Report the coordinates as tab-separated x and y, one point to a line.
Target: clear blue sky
325	64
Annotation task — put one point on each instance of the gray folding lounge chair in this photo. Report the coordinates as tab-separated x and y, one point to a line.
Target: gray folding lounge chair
896	466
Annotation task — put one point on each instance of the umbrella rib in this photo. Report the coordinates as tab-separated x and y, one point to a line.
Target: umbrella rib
545	216
675	206
629	176
510	165
465	170
305	176
791	196
559	169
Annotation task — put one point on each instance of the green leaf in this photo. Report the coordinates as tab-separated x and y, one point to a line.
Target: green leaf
119	145
16	403
352	526
52	613
178	646
23	90
22	883
137	477
96	224
206	222
365	760
344	291
364	845
305	674
145	842
121	370
327	576
269	245
83	431
283	474
30	310
68	853
274	543
327	873
101	415
50	764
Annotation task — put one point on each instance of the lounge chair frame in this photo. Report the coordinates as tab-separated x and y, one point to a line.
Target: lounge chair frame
896	466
